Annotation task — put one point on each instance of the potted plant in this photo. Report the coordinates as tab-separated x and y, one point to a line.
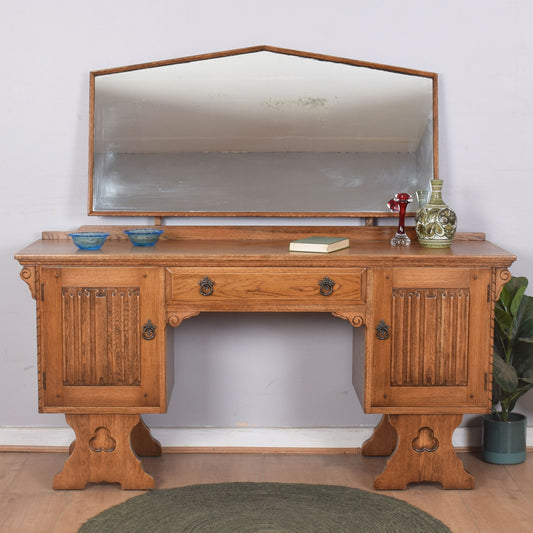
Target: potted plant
504	432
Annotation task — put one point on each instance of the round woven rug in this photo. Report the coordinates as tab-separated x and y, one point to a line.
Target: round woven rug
262	507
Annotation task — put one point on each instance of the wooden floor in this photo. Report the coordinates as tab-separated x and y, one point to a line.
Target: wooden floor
501	501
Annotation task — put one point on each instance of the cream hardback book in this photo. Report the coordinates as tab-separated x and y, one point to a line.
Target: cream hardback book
319	244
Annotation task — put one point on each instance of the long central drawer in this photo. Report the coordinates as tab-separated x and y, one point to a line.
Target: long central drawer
226	288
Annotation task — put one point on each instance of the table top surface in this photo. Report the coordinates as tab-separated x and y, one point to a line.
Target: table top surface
249	245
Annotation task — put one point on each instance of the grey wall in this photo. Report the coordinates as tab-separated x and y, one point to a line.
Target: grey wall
262	370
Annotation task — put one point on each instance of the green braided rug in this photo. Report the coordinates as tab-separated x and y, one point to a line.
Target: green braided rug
262	507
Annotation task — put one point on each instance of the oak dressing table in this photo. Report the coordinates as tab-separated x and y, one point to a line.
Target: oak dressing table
264	132
422	320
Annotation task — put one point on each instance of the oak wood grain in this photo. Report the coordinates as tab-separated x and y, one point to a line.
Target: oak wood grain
425	346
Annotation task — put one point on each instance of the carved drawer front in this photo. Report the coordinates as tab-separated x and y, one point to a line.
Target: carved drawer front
432	343
227	288
102	339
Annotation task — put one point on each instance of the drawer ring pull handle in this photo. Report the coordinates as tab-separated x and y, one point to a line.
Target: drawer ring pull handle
206	286
382	331
149	330
326	286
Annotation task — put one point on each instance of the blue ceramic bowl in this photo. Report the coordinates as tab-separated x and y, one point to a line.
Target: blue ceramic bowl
89	240
143	236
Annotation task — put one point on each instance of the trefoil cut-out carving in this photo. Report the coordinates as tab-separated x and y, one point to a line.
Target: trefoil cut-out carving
102	441
425	441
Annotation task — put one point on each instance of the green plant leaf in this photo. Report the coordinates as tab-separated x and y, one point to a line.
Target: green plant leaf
526	319
516	283
509	291
513	345
517	300
523	358
504	374
505	297
511	400
503	322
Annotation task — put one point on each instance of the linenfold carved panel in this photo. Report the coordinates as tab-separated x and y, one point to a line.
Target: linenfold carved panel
101	340
426	351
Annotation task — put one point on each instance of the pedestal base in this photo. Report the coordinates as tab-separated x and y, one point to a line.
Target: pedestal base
423	451
104	451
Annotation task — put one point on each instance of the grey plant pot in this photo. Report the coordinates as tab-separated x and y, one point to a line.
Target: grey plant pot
504	443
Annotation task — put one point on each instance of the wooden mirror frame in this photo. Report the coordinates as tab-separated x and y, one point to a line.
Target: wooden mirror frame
320	57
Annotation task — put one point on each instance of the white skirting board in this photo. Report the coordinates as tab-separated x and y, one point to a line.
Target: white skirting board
464	437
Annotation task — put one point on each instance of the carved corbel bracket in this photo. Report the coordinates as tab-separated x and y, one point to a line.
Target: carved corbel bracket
356	319
500	277
27	274
174	318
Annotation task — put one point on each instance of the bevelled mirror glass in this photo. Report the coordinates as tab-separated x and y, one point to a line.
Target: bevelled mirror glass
259	131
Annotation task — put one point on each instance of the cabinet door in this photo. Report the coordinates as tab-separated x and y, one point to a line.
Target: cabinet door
431	350
102	340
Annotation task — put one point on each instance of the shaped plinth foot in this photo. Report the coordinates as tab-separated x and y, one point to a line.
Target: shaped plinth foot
142	441
424	453
103	453
383	439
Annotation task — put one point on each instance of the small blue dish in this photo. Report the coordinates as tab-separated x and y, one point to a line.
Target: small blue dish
89	240
143	236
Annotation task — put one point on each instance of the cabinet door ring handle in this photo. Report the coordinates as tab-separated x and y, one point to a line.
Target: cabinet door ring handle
382	330
148	332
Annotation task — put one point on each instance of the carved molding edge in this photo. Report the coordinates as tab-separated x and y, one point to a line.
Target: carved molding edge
175	319
27	274
356	319
500	278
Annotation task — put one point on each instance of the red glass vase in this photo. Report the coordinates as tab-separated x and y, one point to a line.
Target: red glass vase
399	204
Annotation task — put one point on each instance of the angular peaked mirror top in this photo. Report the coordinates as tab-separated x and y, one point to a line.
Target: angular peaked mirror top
259	131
